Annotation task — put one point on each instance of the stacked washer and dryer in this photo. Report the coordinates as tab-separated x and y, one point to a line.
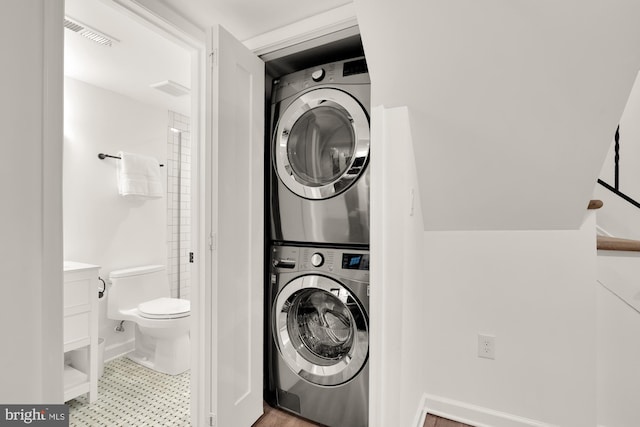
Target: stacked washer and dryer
318	291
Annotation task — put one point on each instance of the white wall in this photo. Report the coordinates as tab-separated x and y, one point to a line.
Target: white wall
397	306
533	290
618	344
618	373
513	102
31	214
100	226
509	133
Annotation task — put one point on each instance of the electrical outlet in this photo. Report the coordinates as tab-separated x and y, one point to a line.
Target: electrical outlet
486	346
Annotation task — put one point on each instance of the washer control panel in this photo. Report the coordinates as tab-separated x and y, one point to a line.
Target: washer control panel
318	75
347	263
317	259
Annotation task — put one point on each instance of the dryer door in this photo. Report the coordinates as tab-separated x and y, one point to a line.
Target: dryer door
321	143
321	330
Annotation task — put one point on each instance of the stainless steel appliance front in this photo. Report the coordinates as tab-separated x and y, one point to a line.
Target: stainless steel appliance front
320	154
318	337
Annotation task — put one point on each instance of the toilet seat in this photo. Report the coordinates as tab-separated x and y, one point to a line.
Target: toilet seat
165	308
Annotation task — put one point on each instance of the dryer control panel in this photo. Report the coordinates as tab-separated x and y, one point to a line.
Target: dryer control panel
346	72
345	263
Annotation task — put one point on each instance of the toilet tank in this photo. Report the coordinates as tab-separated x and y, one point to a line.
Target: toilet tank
132	286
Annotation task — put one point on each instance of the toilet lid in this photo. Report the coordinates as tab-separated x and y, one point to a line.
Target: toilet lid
165	307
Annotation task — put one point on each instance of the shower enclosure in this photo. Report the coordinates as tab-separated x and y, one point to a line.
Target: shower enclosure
179	204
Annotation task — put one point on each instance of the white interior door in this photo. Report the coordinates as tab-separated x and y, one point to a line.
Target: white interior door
234	217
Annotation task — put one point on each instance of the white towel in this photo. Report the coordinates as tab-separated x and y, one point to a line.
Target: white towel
139	176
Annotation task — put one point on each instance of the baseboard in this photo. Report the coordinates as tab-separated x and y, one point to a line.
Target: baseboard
469	414
119	349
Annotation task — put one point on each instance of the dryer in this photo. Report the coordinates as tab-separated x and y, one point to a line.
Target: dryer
319	155
318	334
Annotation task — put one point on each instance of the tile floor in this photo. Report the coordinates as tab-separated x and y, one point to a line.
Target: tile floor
132	395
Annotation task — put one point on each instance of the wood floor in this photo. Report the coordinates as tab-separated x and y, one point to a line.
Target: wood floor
276	418
433	421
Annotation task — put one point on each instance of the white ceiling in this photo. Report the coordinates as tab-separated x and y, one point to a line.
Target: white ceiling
143	57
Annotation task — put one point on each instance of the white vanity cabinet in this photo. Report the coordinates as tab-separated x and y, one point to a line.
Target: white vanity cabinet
81	328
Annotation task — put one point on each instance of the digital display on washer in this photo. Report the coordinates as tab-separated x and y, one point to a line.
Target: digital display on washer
355	261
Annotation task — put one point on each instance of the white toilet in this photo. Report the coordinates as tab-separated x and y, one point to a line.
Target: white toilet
142	295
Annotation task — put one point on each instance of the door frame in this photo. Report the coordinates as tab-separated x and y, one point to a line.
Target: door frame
168	23
302	32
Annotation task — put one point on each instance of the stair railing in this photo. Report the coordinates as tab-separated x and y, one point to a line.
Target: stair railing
615	188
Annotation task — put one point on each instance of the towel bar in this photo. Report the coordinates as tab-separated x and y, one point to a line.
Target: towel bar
103	156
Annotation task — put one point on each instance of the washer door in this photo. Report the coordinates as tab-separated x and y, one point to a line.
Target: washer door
321	330
321	143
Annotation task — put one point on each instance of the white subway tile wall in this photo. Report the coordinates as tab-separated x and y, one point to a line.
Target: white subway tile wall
179	204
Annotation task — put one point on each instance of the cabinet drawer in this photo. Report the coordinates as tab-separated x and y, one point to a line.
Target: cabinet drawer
79	291
76	327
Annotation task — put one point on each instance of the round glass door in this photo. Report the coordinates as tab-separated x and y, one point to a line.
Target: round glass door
321	330
321	143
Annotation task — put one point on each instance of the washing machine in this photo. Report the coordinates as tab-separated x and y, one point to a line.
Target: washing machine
318	334
319	155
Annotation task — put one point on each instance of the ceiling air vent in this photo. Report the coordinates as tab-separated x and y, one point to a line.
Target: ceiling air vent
88	32
171	87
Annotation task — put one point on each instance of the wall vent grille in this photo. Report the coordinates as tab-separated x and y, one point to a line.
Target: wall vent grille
170	87
88	32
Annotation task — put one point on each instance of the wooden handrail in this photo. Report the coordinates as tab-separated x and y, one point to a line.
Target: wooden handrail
606	243
595	204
